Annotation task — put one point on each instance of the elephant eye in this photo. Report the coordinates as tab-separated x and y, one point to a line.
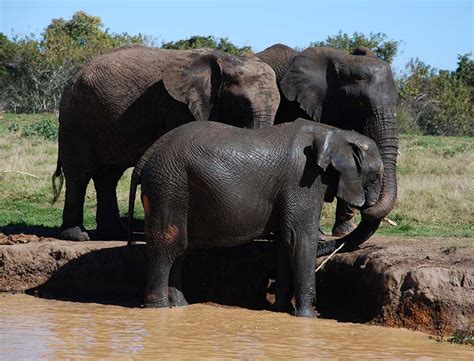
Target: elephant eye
373	178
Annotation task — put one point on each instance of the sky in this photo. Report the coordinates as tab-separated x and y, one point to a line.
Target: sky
433	31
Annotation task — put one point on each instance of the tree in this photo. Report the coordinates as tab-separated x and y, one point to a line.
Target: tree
385	48
465	72
196	42
437	102
33	72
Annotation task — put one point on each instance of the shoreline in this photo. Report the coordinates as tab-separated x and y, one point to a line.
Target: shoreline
423	284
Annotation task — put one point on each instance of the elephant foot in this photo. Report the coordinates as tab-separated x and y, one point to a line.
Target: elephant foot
179	302
74	234
159	303
177	298
306	312
343	228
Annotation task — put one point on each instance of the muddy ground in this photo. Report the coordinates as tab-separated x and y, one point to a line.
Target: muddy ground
424	284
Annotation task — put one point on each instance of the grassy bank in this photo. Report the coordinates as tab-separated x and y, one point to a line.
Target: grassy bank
436	182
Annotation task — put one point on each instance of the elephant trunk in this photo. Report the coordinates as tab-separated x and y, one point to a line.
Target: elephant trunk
352	241
262	120
383	130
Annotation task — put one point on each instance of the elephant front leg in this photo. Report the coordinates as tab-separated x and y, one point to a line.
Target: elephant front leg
344	223
303	260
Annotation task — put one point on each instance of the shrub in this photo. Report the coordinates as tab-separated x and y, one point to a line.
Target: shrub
46	128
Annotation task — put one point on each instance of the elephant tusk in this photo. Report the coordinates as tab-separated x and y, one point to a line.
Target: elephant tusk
389	221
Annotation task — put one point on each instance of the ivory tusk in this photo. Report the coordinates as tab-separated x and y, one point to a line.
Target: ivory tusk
389	221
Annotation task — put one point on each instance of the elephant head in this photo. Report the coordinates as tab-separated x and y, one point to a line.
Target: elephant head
217	86
352	166
355	92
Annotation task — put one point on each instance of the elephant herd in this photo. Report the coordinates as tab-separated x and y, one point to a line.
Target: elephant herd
208	183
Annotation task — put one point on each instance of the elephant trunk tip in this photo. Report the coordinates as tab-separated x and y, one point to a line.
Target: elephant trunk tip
382	208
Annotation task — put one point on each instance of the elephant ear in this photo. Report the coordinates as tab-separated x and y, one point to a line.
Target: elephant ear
194	79
345	157
305	82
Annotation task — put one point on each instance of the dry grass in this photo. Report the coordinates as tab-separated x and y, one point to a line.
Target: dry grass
436	185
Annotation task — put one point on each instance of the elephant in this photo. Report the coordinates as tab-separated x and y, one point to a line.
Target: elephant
212	184
117	105
350	91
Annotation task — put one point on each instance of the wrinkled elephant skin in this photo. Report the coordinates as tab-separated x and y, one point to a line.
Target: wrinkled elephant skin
211	184
116	106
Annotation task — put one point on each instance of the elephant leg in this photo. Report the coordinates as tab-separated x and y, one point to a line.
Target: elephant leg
166	242
73	212
344	223
303	262
176	295
159	266
107	215
284	283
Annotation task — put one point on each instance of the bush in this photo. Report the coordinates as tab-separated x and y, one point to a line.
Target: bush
196	42
43	126
46	128
385	49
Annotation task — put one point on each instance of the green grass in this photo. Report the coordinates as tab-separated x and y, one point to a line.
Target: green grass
435	177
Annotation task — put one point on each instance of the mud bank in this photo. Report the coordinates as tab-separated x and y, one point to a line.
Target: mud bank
420	283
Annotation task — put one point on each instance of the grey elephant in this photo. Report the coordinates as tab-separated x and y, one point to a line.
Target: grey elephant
211	184
116	106
354	92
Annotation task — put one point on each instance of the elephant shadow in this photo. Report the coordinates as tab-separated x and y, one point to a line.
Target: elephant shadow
236	276
53	232
39	231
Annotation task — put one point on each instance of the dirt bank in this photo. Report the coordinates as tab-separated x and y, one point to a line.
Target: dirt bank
420	283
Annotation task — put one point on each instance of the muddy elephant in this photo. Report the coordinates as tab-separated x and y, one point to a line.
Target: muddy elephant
351	91
117	105
211	184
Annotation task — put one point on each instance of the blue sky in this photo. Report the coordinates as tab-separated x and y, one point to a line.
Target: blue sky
434	31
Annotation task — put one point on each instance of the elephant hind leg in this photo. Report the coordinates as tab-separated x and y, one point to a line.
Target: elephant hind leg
73	212
107	215
176	295
166	247
156	294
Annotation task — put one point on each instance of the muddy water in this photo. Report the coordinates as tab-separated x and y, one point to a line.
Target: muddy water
38	328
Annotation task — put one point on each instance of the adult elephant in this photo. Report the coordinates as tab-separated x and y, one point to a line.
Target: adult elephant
117	105
350	91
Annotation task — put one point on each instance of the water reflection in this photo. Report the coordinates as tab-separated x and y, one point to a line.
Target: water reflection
32	327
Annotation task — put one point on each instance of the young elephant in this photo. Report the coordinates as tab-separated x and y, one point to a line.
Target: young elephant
211	184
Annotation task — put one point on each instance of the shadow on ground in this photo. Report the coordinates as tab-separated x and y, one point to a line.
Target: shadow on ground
53	232
230	276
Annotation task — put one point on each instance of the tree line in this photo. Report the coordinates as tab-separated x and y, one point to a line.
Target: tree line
34	71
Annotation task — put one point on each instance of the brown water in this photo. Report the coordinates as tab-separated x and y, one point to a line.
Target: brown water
37	328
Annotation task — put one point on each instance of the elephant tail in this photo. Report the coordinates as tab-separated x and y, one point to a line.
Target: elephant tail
57	180
135	181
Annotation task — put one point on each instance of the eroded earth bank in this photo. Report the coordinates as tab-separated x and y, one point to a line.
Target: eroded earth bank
424	284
